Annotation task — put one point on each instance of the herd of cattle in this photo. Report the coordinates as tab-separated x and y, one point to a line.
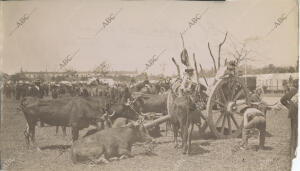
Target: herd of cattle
117	113
22	89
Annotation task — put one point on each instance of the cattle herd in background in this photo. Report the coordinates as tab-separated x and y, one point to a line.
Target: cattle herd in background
20	89
106	107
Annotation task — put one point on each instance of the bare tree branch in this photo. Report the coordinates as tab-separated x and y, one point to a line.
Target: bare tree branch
213	58
220	46
196	68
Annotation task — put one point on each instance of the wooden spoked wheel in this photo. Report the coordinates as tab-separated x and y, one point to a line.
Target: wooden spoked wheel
224	102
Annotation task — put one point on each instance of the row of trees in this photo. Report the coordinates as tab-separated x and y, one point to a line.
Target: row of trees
268	69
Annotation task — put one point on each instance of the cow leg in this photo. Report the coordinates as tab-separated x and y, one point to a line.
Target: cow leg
175	131
182	131
184	134
64	131
125	151
101	159
42	124
56	130
190	138
26	134
75	133
168	125
166	129
32	136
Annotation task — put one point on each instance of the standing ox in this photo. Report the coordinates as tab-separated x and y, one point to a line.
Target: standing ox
76	112
182	118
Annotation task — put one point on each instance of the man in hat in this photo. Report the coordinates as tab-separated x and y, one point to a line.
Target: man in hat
228	69
37	90
254	117
187	82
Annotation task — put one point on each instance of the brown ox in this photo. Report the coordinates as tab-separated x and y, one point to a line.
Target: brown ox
75	112
182	118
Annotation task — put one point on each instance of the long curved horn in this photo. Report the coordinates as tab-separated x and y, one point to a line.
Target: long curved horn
143	114
271	104
264	103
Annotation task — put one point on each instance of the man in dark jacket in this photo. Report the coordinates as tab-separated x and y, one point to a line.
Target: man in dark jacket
290	101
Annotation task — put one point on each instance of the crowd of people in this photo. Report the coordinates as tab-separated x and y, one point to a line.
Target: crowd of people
37	88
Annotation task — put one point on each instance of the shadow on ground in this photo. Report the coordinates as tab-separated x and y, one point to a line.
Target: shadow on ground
197	149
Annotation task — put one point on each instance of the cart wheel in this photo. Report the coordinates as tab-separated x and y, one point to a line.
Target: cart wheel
224	117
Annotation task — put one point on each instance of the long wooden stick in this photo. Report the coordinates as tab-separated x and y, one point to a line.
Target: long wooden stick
196	68
212	57
177	66
182	41
203	76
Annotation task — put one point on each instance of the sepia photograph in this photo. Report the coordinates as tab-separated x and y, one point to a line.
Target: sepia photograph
162	85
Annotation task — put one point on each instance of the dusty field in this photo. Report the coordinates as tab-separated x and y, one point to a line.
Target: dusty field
209	154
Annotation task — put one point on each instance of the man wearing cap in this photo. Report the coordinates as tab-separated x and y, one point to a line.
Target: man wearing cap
253	118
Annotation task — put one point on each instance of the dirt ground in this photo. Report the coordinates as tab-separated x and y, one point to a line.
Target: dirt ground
208	153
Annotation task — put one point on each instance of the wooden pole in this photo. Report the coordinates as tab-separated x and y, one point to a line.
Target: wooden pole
177	66
196	68
157	121
203	75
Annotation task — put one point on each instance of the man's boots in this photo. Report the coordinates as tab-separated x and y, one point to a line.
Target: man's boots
245	136
262	138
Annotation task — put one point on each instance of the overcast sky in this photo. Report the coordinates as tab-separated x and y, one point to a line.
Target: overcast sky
56	29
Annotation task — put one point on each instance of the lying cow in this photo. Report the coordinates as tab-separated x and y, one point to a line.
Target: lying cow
108	143
76	112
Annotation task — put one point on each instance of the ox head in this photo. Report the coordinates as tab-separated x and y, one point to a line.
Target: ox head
127	110
141	134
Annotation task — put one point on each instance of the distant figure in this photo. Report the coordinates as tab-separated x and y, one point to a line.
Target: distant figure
226	70
290	101
54	92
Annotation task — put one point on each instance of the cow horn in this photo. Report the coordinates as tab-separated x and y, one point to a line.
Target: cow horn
143	114
264	103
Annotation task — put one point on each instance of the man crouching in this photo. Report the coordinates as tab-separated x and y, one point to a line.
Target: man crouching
254	117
